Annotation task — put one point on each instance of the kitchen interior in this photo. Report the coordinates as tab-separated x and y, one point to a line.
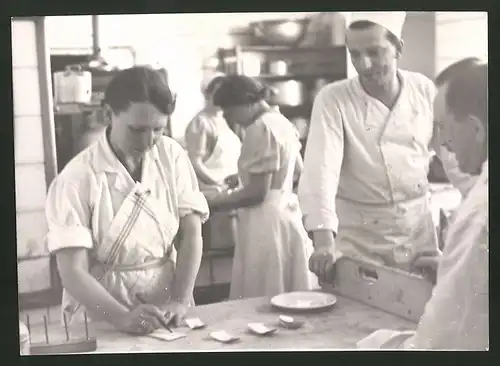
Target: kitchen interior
296	54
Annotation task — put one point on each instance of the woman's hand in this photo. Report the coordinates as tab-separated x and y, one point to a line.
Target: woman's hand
142	320
175	312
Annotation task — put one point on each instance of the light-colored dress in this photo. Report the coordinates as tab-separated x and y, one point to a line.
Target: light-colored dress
209	136
365	171
272	251
129	227
457	315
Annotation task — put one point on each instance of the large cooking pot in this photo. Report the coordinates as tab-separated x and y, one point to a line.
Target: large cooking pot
286	93
279	32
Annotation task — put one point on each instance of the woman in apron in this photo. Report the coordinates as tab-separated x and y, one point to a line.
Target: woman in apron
124	216
213	149
272	251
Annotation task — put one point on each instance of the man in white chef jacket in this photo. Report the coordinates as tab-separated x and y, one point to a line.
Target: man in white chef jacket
364	190
457	315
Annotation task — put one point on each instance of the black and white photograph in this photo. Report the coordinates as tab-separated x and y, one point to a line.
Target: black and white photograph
250	182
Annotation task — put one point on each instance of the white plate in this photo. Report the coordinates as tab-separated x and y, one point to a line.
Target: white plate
303	300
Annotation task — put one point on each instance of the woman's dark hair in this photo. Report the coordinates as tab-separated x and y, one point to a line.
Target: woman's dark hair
213	84
238	90
139	84
365	24
455	70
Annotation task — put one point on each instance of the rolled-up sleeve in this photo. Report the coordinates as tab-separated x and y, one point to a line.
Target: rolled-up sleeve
260	151
199	135
68	215
190	198
322	165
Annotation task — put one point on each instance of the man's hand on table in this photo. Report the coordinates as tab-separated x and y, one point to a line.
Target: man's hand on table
322	261
427	266
142	320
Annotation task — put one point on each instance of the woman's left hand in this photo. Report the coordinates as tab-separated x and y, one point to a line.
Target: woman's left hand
175	312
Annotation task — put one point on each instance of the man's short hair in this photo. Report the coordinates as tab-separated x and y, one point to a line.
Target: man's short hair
467	92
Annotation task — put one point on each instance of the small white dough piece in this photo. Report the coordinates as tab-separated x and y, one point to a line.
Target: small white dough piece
194	323
223	336
286	319
165	335
259	328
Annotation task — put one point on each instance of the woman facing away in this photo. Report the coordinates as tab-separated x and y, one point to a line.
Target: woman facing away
272	251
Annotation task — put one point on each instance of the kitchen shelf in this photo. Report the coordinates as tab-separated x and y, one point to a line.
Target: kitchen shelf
75	108
313	67
298	76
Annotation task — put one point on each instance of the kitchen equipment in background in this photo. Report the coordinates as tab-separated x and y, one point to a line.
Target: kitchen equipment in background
24	339
325	29
288	93
251	64
91	129
302	126
318	85
73	85
278	67
279	32
55	346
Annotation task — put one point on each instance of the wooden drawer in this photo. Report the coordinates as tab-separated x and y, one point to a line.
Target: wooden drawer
221	269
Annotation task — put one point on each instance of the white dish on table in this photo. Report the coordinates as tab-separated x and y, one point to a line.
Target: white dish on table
304	300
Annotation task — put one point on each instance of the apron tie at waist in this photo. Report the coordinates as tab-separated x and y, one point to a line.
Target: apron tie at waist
386	204
153	263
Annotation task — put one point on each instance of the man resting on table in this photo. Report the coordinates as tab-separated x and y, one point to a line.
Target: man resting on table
457	315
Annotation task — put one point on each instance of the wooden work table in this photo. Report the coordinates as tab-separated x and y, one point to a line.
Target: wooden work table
339	327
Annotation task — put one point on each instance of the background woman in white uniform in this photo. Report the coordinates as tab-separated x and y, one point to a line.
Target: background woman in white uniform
124	216
272	249
212	146
214	149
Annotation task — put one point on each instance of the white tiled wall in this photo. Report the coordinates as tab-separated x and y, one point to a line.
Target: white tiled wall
460	35
29	159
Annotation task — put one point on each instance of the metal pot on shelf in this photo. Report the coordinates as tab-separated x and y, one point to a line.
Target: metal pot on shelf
73	85
287	93
279	32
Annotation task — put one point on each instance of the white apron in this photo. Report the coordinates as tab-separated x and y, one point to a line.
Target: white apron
224	158
399	231
272	251
123	263
223	162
